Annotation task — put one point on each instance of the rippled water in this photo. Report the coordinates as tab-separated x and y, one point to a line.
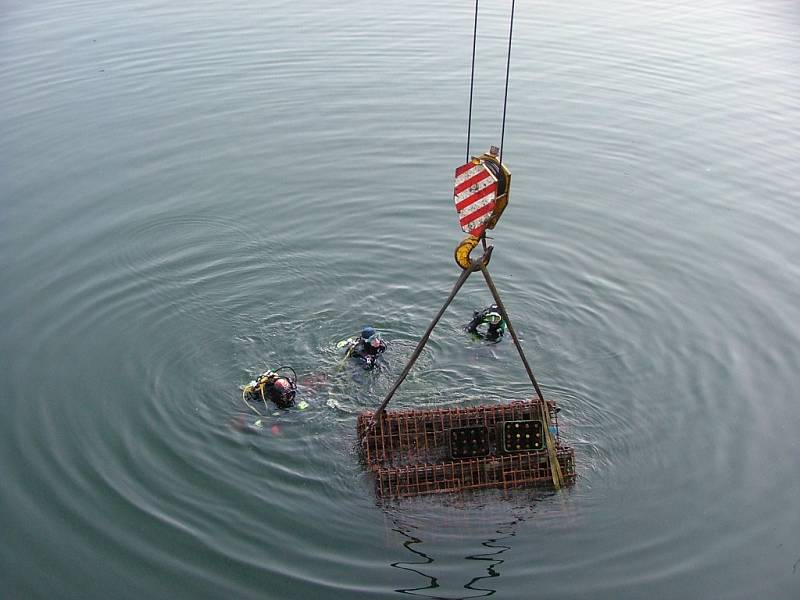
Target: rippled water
194	191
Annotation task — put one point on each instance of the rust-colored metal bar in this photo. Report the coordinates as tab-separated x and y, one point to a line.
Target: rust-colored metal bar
504	313
424	340
551	450
505	472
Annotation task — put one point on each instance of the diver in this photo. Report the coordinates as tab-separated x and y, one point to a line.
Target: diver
367	346
278	386
487	324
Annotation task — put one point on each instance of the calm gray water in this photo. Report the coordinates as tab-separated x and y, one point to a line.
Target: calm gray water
194	191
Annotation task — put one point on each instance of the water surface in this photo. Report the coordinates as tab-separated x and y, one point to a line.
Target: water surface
194	191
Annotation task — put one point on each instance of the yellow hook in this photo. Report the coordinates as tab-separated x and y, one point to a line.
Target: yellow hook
463	250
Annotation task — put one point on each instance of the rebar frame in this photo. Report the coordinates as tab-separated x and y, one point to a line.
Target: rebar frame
409	451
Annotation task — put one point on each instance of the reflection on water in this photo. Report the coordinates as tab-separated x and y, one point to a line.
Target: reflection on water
492	558
495	544
408	544
463	520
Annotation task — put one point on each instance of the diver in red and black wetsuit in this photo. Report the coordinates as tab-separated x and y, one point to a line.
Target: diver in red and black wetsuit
275	386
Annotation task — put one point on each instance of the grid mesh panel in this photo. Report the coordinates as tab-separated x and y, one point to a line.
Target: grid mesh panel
411	451
505	472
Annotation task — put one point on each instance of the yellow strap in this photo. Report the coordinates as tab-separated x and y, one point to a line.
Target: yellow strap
555	466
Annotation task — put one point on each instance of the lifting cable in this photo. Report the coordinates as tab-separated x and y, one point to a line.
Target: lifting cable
481	265
508	71
505	94
472	79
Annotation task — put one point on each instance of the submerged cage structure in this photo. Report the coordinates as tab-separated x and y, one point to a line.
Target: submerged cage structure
413	452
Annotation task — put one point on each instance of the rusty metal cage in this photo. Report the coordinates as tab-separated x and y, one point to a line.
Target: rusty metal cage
415	452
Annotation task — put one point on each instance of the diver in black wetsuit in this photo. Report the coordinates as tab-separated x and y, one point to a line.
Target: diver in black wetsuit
487	324
271	385
367	346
